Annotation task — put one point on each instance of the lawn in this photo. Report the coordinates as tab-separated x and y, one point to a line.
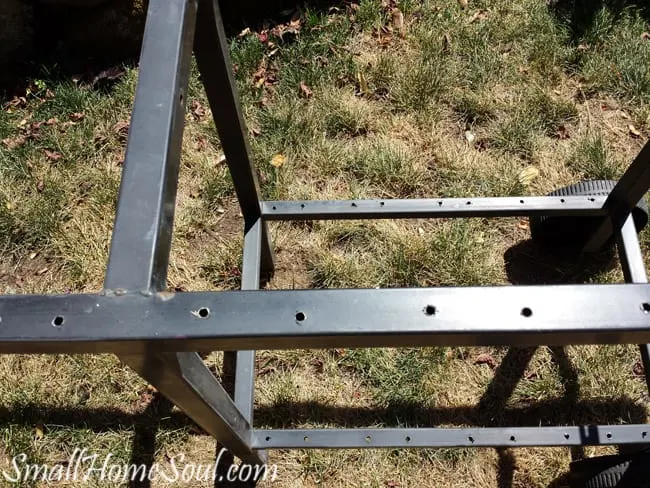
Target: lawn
438	98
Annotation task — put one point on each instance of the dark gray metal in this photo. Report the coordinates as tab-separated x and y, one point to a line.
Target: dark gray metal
243	320
629	252
213	60
592	435
143	226
429	208
629	190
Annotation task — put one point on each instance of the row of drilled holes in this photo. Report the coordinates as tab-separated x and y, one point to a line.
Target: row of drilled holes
471	439
469	202
430	310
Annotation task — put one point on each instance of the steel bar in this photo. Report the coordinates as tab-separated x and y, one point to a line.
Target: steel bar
143	227
213	61
443	207
634	271
451	437
274	319
187	382
629	190
145	213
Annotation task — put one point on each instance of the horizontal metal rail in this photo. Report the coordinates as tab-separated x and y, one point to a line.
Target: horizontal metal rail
245	320
589	435
443	207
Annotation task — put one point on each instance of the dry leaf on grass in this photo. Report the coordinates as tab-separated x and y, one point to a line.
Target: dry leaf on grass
486	359
40	186
528	175
638	369
77	116
398	21
562	133
463	4
14	142
469	137
52	155
305	90
480	15
278	160
634	131
121	128
198	110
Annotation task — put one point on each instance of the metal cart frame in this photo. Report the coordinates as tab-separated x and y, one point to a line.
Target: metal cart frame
155	331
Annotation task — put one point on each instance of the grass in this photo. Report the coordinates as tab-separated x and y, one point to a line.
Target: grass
457	104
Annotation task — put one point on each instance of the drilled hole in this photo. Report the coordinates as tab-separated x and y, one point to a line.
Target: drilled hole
274	207
644	434
513	438
521	201
268	439
439	203
609	435
526	312
592	199
306	438
57	321
204	312
566	435
430	310
300	316
353	204
382	203
302	205
468	203
368	439
471	439
645	307
407	438
562	200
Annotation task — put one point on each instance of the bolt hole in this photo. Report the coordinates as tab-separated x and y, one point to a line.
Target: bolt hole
513	438
204	312
439	204
382	203
306	438
58	321
562	200
468	203
644	434
592	199
645	307
353	204
302	205
300	316
471	439
430	310
609	435
268	439
407	438
566	435
368	439
521	201
526	312
274	207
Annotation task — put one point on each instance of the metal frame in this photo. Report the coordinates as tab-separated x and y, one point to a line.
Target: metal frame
156	332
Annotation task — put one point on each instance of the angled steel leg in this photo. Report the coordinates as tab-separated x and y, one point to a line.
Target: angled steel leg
631	188
143	226
213	60
631	258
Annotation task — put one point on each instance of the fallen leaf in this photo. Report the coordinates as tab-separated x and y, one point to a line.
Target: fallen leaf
528	175
198	110
486	359
633	131
392	484
463	4
201	143
52	155
638	369
480	15
523	224
446	42
77	116
244	33
14	142
265	371
40	186
39	431
469	137
254	132
562	133
305	90
221	159
278	160
33	255
645	36
121	128
51	121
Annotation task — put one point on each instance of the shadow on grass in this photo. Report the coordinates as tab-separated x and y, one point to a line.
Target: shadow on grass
582	16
